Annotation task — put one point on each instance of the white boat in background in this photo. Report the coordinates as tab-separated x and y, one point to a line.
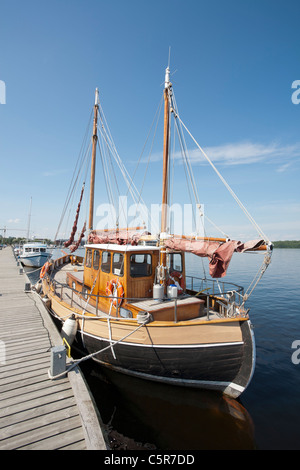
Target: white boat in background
34	255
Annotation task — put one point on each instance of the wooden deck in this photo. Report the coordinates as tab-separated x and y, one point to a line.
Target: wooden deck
35	412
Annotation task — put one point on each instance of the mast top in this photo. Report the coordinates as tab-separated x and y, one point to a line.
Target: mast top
167	77
96	96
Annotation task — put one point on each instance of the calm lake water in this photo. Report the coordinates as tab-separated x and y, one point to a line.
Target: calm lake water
267	415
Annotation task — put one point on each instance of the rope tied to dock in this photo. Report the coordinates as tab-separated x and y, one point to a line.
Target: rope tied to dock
89	356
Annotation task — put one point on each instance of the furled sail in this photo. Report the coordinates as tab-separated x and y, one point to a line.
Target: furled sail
77	244
219	253
74	229
119	237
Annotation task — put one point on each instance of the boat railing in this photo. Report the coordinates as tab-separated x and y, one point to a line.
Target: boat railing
217	287
222	299
214	287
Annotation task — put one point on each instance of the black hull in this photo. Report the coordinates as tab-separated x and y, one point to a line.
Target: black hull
227	367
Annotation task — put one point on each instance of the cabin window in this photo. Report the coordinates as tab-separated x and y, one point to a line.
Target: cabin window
140	265
174	262
96	259
43	250
88	259
118	264
84	292
106	258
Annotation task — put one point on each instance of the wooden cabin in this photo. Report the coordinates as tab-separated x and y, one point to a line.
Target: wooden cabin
133	270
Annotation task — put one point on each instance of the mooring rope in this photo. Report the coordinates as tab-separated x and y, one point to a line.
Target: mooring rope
89	356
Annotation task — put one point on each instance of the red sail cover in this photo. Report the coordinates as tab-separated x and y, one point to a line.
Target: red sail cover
119	237
219	254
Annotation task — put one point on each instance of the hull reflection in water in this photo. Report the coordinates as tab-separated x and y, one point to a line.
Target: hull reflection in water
167	417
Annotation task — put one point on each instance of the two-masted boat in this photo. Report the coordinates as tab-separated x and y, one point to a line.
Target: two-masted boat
133	307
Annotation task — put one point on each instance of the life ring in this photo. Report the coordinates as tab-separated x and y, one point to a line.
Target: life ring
44	270
177	278
115	290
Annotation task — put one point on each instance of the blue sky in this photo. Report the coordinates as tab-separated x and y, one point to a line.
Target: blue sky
234	65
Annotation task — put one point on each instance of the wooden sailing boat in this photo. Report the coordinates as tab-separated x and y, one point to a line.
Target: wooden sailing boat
133	308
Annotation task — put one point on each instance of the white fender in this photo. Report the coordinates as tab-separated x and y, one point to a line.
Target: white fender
38	287
69	330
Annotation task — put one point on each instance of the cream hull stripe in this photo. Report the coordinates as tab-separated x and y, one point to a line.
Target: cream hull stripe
208	345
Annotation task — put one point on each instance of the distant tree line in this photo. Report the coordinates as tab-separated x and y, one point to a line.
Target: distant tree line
19	241
287	244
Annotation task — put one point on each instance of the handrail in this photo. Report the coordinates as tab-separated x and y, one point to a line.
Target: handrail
231	297
216	283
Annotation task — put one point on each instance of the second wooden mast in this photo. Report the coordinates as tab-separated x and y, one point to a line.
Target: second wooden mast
93	163
165	182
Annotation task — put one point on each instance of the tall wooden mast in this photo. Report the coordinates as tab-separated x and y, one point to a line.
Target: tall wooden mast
93	164
164	212
165	182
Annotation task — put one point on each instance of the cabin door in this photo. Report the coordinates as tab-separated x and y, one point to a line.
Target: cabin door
88	268
91	270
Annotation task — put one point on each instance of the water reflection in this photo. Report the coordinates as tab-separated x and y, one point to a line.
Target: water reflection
169	417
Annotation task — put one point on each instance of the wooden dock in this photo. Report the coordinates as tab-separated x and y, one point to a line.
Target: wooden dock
37	413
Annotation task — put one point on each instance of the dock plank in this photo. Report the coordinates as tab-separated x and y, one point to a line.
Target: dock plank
33	436
35	412
38	411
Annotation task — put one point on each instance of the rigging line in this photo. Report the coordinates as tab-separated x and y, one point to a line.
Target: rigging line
186	170
105	177
80	160
70	200
258	276
184	153
71	194
130	184
80	153
110	152
148	213
259	230
156	117
118	160
216	227
191	173
112	171
158	112
106	160
114	152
